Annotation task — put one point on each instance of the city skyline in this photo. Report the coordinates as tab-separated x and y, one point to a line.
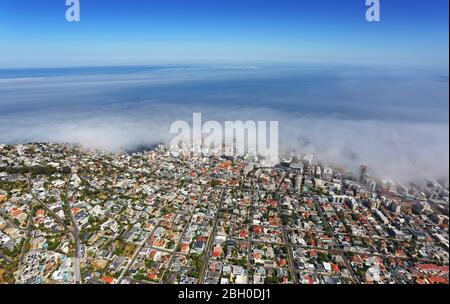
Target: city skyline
241	143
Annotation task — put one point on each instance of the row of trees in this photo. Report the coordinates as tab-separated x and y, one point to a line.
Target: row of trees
35	170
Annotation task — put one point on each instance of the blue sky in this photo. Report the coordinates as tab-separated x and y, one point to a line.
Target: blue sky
347	90
35	33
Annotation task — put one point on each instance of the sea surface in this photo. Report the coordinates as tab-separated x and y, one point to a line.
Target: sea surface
393	118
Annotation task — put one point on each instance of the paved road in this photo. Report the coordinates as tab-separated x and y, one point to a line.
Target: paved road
172	257
5	258
55	216
136	254
336	244
249	241
175	251
10	220
210	241
29	229
286	243
285	236
75	231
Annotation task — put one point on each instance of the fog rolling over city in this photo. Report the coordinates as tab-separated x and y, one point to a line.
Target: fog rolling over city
394	120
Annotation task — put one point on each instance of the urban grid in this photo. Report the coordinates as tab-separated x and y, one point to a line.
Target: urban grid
69	215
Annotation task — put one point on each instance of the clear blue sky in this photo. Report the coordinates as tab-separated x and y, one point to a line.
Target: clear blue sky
35	33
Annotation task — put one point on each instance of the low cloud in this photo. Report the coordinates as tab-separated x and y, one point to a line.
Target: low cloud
120	112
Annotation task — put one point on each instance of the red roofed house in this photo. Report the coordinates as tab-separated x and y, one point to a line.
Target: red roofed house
107	280
257	229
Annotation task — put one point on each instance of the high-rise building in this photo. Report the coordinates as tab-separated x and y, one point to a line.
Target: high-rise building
371	185
363	174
